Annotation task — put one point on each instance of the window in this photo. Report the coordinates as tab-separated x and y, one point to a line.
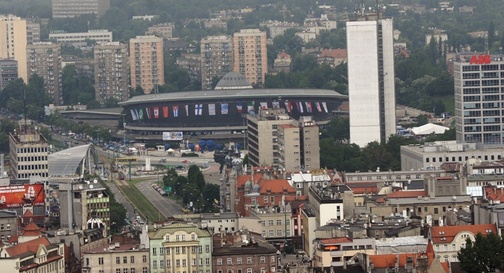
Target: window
270	222
177	263
177	250
132	270
279	222
177	238
161	250
272	199
263	259
207	248
249	270
229	260
100	260
219	261
154	251
118	260
161	264
118	270
193	237
132	259
436	210
249	260
454	247
144	258
125	260
239	260
266	199
184	263
207	261
154	264
144	270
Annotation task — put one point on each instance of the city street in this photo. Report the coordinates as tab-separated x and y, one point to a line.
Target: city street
166	206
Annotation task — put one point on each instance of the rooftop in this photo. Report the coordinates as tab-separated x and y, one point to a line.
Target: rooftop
444	234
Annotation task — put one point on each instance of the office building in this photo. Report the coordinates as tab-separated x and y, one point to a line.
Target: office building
250	55
13	41
180	247
216	59
96	35
72	8
478	107
8	71
28	156
146	63
111	69
371	88
44	60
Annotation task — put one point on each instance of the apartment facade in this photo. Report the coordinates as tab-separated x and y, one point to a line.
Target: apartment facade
97	35
118	257
13	41
371	81
8	71
216	58
44	60
164	30
478	96
180	247
37	255
298	145
111	66
72	8
250	55
146	63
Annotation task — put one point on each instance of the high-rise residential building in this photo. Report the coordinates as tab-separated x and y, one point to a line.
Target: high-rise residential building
274	139
13	42
44	60
8	71
32	32
250	55
28	156
72	8
111	71
371	88
146	63
216	58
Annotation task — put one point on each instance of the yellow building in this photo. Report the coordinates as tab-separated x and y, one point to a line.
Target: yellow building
13	42
250	55
146	63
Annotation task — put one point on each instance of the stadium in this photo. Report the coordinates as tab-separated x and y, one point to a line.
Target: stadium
220	113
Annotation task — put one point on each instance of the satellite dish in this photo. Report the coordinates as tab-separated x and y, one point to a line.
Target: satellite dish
95	181
80	187
87	181
91	186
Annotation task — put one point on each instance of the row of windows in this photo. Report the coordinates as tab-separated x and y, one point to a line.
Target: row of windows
453	158
486	67
239	260
32	150
179	263
31	158
179	249
387	177
249	270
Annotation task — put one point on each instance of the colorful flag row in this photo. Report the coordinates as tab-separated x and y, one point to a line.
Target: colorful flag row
157	112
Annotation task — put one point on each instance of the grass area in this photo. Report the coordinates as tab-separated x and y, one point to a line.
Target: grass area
143	205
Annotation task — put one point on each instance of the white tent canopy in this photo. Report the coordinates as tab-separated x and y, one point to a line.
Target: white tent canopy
428	129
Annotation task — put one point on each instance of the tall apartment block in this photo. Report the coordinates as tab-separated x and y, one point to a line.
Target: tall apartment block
216	58
8	71
479	93
44	59
72	8
250	55
32	32
371	89
111	71
146	62
13	42
28	152
274	139
164	30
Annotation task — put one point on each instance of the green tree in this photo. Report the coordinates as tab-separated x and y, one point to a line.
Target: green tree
484	254
338	128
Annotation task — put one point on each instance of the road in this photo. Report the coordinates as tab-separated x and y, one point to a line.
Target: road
166	206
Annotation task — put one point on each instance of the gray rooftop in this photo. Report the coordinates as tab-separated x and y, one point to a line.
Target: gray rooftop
233	80
428	200
66	162
236	94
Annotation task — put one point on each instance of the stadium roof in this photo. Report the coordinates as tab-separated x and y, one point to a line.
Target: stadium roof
236	94
66	162
233	80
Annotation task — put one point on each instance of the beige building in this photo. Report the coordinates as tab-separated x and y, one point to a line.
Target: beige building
116	258
250	55
44	60
262	136
72	8
13	41
298	145
335	251
164	30
111	70
32	32
146	63
28	156
216	58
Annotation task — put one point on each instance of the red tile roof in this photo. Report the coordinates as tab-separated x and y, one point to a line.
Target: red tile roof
406	194
283	55
446	234
335	53
32	230
27	247
389	260
493	194
362	188
242	179
275	186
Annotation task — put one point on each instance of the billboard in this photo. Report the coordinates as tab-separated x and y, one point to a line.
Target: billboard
15	196
173	136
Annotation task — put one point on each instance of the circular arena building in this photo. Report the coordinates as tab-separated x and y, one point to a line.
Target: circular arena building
221	113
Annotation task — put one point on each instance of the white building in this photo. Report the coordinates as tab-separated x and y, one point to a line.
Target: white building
97	35
371	86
